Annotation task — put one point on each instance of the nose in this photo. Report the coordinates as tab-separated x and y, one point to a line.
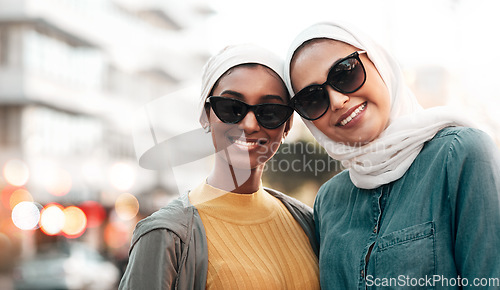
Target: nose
249	124
337	99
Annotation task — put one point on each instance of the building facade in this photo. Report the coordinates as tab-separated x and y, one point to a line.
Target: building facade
72	74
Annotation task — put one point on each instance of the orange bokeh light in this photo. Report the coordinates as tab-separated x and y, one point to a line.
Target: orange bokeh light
75	222
126	206
19	195
116	235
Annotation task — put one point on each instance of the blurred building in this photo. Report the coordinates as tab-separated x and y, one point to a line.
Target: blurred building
72	73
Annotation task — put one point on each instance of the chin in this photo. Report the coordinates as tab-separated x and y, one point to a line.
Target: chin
247	162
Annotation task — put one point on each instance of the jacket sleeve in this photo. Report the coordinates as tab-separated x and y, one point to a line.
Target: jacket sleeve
473	169
153	261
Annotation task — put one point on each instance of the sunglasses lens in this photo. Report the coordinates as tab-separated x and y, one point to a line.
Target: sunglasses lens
311	102
229	111
347	76
232	111
272	116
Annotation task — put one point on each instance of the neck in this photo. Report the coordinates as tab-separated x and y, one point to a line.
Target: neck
229	178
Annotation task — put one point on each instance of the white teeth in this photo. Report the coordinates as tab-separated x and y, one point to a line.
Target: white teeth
244	143
353	114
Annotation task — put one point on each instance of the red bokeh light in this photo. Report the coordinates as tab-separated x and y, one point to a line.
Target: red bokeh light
95	212
6	194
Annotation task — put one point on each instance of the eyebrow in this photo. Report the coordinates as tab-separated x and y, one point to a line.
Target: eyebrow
232	93
241	96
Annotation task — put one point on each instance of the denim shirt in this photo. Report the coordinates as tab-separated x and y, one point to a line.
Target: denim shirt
438	226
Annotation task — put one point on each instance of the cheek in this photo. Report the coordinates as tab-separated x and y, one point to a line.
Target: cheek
323	125
214	138
385	116
276	134
377	93
275	137
384	107
218	131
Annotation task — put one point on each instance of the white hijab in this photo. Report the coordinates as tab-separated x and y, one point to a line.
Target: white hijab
229	57
386	158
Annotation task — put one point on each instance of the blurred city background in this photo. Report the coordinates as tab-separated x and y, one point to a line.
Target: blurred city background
76	75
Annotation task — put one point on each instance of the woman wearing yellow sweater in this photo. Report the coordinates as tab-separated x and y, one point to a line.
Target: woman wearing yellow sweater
230	232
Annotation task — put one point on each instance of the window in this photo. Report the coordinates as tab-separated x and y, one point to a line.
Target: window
57	133
54	58
10	120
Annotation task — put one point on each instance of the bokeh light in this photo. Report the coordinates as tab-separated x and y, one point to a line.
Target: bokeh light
16	172
19	195
6	195
116	235
58	182
26	215
51	177
126	206
52	219
122	176
95	212
75	222
92	172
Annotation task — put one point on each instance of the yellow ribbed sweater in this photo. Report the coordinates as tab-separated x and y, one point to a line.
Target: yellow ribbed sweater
253	242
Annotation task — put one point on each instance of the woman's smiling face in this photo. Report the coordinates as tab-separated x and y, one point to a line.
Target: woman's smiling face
355	118
246	144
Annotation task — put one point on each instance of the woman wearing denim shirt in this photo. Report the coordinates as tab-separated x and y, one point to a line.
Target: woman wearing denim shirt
418	205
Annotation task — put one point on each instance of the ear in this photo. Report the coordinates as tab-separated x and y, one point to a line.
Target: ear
205	116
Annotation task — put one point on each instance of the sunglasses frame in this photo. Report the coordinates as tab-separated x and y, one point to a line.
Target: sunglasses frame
329	83
248	108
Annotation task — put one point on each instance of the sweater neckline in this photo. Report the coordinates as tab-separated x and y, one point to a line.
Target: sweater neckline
232	207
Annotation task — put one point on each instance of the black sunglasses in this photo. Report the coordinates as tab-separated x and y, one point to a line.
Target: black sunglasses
232	111
346	76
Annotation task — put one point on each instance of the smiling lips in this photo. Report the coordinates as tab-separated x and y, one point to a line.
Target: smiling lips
247	142
350	115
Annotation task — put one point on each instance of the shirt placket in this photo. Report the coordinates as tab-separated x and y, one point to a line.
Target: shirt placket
373	226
